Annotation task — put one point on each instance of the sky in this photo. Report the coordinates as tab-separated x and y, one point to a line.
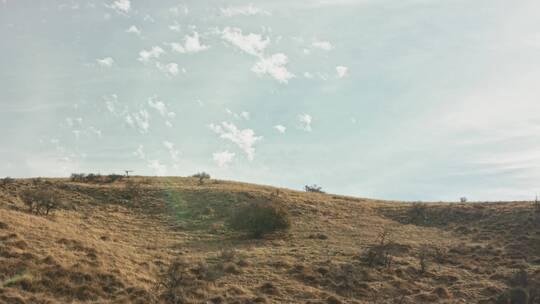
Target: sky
391	99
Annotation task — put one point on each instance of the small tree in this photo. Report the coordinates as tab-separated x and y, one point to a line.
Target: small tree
259	218
313	188
463	199
201	176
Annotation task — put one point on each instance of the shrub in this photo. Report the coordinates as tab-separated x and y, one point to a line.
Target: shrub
259	218
379	254
313	188
463	199
78	177
40	201
417	213
515	295
182	281
536	205
111	178
201	176
132	190
6	181
424	256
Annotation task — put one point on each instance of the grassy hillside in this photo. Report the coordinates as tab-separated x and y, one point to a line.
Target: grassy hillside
165	240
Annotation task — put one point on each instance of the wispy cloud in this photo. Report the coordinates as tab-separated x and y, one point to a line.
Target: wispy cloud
251	43
121	6
244	139
342	71
134	29
223	159
274	66
323	45
192	44
245	10
280	128
305	122
153	53
106	62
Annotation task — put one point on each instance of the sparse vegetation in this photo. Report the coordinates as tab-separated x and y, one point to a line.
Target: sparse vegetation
95	178
40	201
259	218
103	249
417	213
132	191
424	258
183	281
6	181
313	188
379	253
201	176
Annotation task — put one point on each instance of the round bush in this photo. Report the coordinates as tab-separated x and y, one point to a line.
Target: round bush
259	218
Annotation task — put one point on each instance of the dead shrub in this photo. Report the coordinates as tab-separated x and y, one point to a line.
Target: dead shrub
424	258
379	254
260	218
184	281
40	201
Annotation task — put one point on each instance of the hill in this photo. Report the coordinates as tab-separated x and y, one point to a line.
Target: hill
165	240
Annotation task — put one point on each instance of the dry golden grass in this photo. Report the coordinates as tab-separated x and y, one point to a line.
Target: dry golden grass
107	245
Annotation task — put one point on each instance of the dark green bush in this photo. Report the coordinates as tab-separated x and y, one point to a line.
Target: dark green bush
260	218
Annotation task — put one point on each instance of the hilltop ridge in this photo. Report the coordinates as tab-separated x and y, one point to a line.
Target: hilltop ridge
115	243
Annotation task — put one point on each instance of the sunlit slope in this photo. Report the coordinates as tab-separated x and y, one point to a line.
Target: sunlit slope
115	242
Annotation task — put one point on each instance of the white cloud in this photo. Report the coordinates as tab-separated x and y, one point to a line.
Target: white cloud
175	27
95	131
243	115
246	10
280	128
133	29
172	150
158	168
252	44
157	104
169	68
342	71
121	6
305	122
140	152
106	62
308	75
139	120
274	66
112	104
323	45
154	52
245	139
192	44
224	158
